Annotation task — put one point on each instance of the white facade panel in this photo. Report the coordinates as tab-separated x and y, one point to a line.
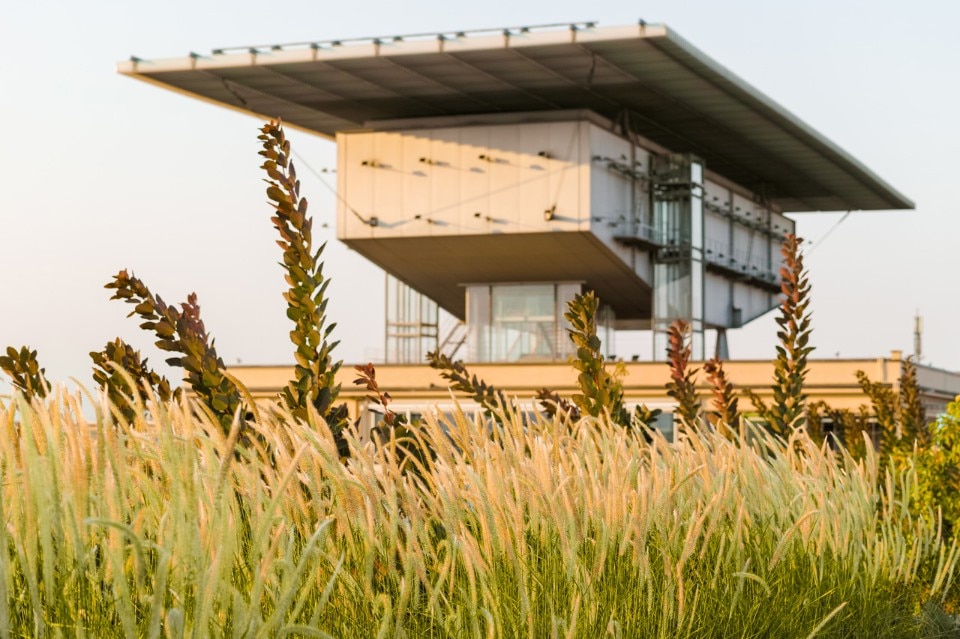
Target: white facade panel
582	155
619	201
567	177
417	180
752	301
386	167
729	303
475	180
780	224
462	180
716	230
717	300
610	191
445	183
611	197
534	160
502	161
352	176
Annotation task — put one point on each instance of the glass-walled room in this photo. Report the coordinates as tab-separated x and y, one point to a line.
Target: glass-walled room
525	322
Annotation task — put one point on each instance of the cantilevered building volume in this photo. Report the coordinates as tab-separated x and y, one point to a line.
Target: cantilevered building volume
495	174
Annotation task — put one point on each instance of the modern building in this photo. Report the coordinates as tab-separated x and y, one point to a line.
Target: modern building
495	174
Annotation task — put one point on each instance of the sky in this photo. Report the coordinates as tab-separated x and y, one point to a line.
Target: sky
99	172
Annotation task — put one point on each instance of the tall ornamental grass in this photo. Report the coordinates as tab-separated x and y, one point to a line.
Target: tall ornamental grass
169	527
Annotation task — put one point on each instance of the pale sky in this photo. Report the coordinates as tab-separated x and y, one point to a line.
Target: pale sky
99	172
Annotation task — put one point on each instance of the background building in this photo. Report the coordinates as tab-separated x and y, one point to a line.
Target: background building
493	175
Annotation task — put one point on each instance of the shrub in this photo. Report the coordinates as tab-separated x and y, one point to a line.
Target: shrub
937	463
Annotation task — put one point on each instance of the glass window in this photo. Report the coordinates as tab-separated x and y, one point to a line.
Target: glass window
518	322
478	323
524	322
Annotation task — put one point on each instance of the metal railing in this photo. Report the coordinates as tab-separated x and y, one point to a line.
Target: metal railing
438	35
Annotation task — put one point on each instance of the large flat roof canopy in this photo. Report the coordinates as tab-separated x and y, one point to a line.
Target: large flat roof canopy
645	76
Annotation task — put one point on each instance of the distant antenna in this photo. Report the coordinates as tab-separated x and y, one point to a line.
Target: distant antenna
918	337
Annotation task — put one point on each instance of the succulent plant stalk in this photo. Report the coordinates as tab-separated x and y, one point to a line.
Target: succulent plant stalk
118	364
367	377
314	370
787	411
460	379
552	404
599	390
725	402
790	369
182	331
23	369
682	386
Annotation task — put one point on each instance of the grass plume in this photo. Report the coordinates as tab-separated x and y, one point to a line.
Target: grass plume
172	527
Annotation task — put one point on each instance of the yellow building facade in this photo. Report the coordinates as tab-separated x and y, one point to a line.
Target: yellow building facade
416	389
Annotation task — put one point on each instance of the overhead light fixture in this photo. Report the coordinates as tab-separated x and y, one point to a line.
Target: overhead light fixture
550	213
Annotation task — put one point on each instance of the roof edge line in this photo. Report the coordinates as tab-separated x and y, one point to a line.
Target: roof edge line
787	117
238	109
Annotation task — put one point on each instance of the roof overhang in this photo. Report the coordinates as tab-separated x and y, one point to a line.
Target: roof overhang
643	76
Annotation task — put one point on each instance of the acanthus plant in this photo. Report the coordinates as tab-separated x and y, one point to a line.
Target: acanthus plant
600	391
682	386
455	372
25	373
181	331
314	382
394	428
725	402
787	410
122	374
